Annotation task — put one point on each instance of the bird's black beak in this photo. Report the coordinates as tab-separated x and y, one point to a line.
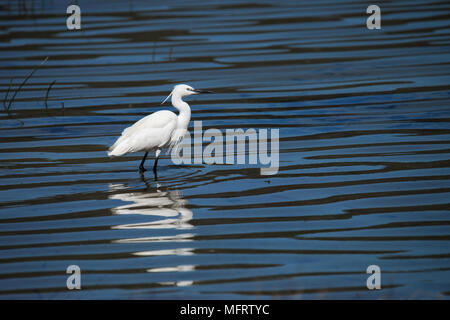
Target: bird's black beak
202	91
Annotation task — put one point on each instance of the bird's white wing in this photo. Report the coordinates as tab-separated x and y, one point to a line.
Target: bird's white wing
177	137
151	132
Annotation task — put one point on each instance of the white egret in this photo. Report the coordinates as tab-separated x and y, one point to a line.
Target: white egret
158	130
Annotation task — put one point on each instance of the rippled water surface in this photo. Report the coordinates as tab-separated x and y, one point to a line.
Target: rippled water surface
364	173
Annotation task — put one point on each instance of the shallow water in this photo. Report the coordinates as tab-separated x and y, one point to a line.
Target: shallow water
364	173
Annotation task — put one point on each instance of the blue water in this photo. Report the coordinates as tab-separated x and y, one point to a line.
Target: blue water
364	179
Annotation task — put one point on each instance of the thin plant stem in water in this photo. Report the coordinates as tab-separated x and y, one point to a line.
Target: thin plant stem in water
23	83
7	94
48	91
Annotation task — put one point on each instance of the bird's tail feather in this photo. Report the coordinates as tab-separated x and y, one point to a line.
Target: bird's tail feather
118	149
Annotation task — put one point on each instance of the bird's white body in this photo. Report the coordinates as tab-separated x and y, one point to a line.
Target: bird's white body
155	131
162	129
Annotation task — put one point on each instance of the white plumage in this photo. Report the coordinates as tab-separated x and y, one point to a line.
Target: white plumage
155	130
158	130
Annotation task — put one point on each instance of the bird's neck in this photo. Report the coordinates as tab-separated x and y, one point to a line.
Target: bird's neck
185	111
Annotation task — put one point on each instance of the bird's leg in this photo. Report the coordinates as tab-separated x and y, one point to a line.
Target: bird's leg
147	185
156	162
141	166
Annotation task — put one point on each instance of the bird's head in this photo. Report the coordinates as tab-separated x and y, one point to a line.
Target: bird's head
183	90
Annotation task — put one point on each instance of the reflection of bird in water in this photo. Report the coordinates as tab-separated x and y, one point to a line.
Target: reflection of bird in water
167	204
170	206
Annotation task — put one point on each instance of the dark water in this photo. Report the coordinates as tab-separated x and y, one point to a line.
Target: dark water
364	151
